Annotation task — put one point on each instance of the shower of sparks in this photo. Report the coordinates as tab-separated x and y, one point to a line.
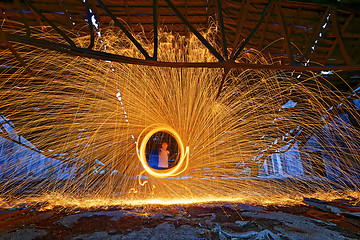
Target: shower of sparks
70	108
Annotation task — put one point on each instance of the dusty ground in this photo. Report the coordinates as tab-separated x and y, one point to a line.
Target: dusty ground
312	220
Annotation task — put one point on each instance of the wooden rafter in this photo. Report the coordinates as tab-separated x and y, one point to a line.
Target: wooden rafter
21	12
16	54
83	52
196	32
241	21
155	20
346	24
266	22
265	10
339	40
292	24
285	32
127	33
66	12
222	29
315	36
50	23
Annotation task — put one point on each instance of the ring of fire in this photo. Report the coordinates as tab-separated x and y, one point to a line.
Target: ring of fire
184	152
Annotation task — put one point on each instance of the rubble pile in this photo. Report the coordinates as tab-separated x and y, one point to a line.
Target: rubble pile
314	219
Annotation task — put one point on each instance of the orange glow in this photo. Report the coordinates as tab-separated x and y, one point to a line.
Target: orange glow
184	153
241	146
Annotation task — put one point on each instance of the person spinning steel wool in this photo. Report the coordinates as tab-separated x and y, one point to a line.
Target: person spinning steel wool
164	157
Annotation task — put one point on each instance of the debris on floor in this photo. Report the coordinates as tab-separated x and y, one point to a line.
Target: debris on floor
315	219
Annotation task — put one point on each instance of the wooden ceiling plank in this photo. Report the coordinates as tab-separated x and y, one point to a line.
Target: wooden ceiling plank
186	14
53	6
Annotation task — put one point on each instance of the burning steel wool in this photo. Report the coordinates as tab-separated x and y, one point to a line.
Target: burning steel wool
101	122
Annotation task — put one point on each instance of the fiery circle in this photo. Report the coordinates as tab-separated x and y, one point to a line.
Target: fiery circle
184	152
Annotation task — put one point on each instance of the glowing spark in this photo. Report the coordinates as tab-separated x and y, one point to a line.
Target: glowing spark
97	117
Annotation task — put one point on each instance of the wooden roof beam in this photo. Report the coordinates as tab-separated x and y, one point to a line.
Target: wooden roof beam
16	54
254	30
155	22
346	24
196	32
292	24
222	28
347	57
50	23
83	52
241	21
91	26
266	22
127	33
315	36
285	33
21	12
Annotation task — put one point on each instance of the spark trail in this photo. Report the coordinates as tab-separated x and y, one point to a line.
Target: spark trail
85	110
